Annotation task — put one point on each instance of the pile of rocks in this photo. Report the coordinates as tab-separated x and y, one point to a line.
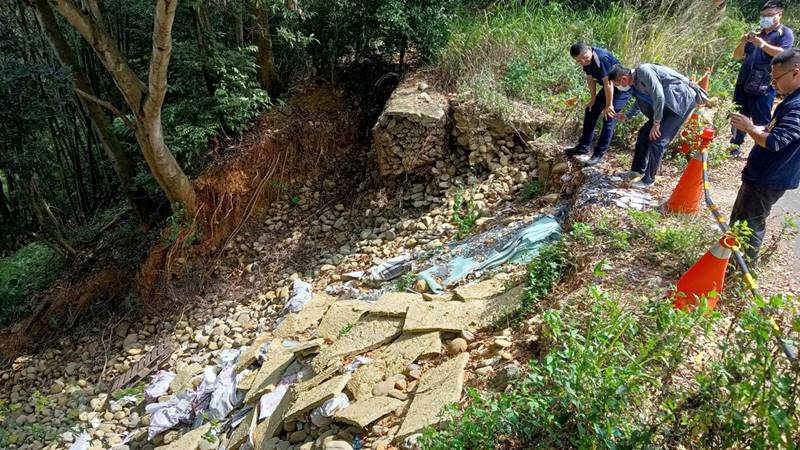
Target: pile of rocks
412	130
491	140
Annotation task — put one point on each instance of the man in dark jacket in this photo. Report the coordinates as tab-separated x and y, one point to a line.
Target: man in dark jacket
753	93
596	63
667	98
773	166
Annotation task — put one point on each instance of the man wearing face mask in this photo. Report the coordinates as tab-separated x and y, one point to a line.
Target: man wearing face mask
773	166
596	63
667	98
753	93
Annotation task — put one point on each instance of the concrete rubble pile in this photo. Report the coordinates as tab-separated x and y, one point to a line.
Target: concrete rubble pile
412	130
332	370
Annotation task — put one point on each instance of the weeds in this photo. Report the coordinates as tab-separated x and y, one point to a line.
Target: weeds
609	381
346	330
531	190
582	232
464	213
405	281
544	272
22	275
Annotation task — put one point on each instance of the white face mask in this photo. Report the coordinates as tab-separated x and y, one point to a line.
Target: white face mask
767	21
622	88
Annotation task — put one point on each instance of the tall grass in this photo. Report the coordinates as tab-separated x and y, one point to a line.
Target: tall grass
521	51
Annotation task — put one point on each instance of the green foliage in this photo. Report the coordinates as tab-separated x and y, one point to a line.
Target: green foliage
135	390
358	30
546	269
610	380
582	232
346	330
22	275
405	281
682	236
464	213
531	190
521	49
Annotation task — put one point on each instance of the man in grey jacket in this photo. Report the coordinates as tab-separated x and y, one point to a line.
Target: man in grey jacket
667	98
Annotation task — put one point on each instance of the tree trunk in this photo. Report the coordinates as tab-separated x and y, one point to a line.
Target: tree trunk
202	26
265	62
238	24
5	209
144	100
48	222
123	165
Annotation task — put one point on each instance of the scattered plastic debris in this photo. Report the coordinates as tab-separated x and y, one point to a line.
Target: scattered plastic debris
160	384
503	244
386	271
631	198
301	294
342	289
225	396
320	416
355	364
82	443
167	415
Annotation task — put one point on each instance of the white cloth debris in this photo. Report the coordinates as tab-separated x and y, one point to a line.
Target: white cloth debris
630	198
301	294
160	384
355	364
167	415
95	423
269	402
239	416
82	443
320	416
225	396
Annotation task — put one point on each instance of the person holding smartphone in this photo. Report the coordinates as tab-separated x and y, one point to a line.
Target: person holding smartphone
596	63
753	93
773	166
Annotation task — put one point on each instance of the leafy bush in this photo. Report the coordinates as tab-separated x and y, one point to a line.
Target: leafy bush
22	275
546	269
610	380
531	190
464	213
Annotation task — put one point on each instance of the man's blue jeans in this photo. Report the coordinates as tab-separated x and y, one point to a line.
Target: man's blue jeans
590	121
648	154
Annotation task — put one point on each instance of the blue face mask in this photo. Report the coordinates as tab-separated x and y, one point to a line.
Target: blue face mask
767	21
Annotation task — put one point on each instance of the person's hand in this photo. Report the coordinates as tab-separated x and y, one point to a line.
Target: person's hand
655	131
590	103
609	112
741	122
757	41
621	117
746	37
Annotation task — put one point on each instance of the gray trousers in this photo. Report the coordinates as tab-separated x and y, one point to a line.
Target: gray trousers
647	155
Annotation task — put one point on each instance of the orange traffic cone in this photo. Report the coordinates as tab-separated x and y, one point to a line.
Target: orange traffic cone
705	276
688	193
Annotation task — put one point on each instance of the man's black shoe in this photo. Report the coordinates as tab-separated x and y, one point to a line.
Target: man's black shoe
577	150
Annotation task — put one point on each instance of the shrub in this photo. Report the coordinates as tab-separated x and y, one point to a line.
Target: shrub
23	274
464	213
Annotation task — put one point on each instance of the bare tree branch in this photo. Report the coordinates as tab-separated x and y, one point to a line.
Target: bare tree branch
106	105
162	49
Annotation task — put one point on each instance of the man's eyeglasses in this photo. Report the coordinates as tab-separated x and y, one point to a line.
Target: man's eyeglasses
775	79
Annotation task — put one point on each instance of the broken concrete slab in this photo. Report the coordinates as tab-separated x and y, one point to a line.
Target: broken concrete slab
444	316
188	441
479	291
183	376
339	316
443	297
393	359
267	428
275	362
250	355
317	396
438	388
395	304
369	333
296	323
363	413
458	316
242	432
